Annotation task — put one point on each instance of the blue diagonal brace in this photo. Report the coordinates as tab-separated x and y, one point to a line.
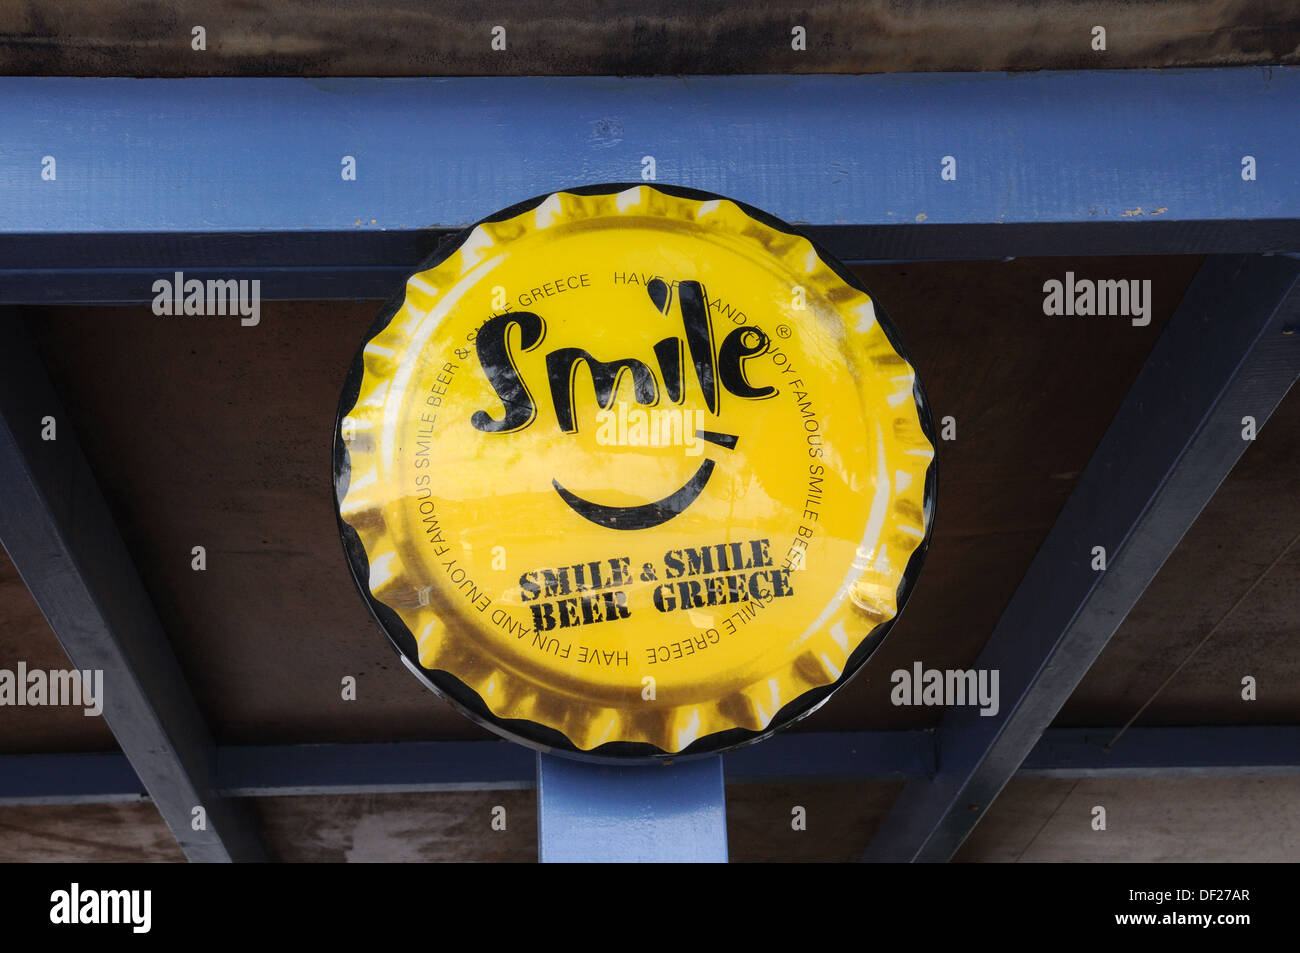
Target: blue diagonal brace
1230	351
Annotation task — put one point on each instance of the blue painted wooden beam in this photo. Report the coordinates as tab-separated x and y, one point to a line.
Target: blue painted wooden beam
266	770
98	778
1224	751
245	176
804	757
636	814
833	756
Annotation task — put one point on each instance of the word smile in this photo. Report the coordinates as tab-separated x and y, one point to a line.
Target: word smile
717	369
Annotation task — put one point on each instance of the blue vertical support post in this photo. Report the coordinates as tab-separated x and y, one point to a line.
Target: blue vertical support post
632	813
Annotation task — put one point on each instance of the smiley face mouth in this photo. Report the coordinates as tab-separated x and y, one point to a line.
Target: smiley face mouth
648	515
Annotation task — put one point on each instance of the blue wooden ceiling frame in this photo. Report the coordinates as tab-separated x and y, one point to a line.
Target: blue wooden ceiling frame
856	757
212	175
241	178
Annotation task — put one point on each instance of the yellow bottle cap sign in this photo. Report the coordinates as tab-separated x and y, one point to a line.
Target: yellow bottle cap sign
634	471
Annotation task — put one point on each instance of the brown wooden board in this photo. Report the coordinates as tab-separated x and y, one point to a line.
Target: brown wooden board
399	828
601	37
1148	820
86	833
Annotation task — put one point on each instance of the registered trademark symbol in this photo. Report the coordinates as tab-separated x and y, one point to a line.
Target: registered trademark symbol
783	330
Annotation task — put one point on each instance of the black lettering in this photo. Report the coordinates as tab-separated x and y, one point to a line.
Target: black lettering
674	568
669	353
737	348
543	617
562	371
699	338
493	347
699	561
690	594
555	582
616	604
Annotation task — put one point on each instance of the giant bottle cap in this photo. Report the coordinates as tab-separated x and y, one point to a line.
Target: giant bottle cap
633	471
